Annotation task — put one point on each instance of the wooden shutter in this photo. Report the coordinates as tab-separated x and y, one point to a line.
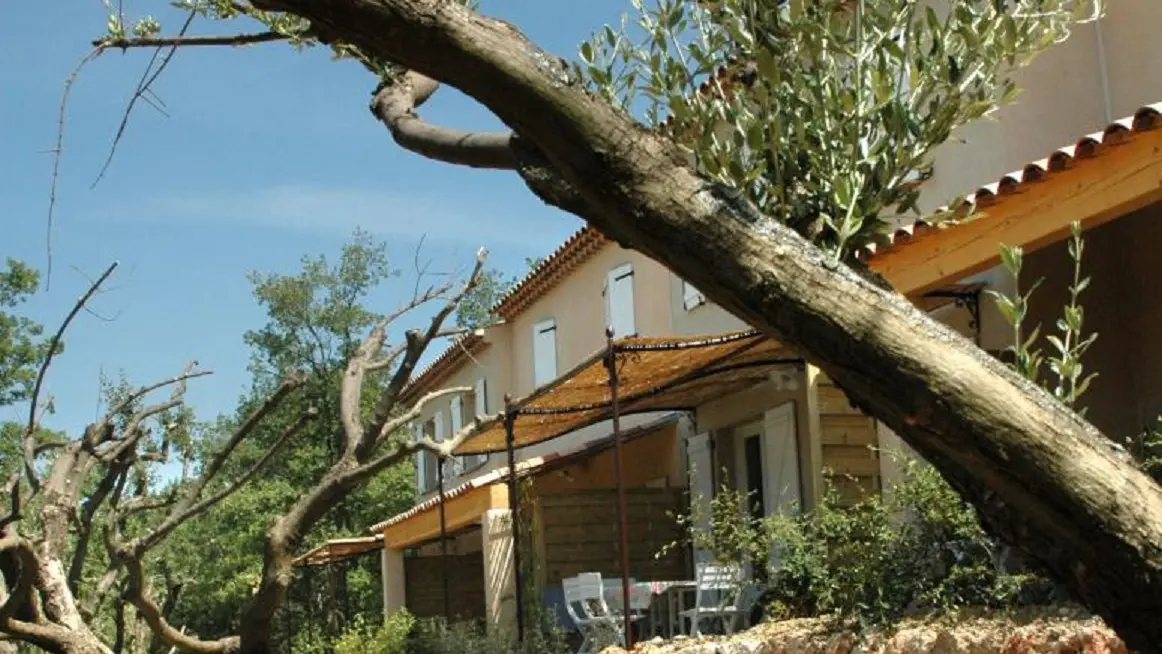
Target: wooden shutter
544	352
481	398
440	436
619	300
421	469
457	409
691	297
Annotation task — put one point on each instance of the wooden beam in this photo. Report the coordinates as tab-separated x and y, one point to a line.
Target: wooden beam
813	457
459	511
1118	180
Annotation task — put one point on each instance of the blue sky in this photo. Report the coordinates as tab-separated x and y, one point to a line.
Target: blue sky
266	155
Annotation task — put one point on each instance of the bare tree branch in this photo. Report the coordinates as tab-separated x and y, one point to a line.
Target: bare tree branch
440	449
57	151
21	595
12	488
148	76
416	343
85	523
137	592
145	503
395	105
41	448
179	516
418	408
188	41
146	390
255	418
29	439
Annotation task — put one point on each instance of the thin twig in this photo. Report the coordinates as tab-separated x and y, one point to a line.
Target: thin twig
56	158
143	85
53	344
184	41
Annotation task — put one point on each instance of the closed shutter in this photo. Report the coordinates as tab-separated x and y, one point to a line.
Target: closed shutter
544	352
700	469
619	310
481	398
457	424
691	297
421	469
440	437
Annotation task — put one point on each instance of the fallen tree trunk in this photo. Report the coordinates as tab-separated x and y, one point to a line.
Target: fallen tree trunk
1040	476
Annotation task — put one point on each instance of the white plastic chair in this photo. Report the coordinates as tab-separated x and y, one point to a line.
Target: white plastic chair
717	598
585	603
639	604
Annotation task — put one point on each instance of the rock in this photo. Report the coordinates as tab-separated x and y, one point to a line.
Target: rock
1048	631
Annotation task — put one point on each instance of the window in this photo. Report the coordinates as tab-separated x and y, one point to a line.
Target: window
421	456
619	300
480	406
692	298
429	459
457	411
441	434
544	352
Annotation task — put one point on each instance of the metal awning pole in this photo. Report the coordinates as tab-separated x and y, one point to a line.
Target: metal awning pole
514	513
443	534
618	460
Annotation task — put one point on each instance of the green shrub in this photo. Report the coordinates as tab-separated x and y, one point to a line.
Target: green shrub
918	547
438	636
389	637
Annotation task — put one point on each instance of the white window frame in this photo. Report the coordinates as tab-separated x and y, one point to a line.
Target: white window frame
620	277
480	404
417	429
544	361
692	298
441	435
456	410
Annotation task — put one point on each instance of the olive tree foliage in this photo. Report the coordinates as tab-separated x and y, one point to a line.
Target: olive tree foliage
826	114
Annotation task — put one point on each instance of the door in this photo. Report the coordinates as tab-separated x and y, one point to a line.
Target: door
700	467
750	477
783	485
783	488
749	473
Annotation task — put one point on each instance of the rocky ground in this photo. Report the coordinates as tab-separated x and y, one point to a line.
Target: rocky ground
1057	630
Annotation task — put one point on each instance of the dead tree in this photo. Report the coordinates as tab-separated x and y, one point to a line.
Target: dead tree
43	563
1039	475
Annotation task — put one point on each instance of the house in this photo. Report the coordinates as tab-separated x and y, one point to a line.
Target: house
772	423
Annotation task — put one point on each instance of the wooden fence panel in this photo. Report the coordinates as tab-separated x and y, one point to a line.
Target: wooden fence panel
579	534
424	586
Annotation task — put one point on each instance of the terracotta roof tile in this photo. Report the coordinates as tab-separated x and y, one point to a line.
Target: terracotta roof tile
576	250
445	364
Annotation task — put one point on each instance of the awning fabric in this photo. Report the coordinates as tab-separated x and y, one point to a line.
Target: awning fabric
340	548
655	374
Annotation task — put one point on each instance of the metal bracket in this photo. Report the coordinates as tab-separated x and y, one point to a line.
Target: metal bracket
964	299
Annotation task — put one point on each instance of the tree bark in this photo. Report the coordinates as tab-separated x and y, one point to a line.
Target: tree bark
1038	474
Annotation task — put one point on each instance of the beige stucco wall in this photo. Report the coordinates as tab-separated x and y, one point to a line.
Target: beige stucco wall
707	318
1129	32
577	306
491	364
